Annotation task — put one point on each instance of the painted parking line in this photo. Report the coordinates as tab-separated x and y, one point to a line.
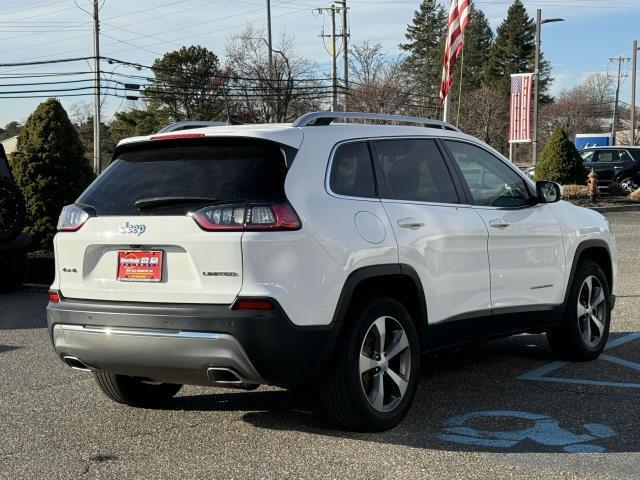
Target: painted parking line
541	374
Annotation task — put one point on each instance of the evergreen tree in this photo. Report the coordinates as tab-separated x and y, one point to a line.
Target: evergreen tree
188	85
560	161
514	51
478	39
50	168
425	46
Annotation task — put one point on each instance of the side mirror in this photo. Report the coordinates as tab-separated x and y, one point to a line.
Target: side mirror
548	192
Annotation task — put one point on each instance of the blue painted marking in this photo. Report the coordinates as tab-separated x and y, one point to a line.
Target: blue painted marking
544	431
540	374
621	361
582	448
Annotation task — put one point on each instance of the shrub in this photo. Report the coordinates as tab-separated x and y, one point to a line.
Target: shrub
575	192
560	161
50	168
616	189
635	195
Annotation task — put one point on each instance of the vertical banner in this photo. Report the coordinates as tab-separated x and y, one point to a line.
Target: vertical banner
520	108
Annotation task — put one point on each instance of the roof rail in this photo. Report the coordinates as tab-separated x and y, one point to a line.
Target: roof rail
189	124
326	118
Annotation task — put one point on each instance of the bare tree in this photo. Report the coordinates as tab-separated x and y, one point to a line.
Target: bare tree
585	108
260	92
483	114
378	82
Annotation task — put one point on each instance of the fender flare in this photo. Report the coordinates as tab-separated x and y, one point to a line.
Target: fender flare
586	244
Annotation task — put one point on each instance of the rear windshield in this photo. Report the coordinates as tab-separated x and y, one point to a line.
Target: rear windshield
222	171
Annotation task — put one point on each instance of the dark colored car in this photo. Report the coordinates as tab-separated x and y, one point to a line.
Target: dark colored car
13	241
614	164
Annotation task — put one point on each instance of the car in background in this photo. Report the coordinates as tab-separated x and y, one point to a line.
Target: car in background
13	241
614	164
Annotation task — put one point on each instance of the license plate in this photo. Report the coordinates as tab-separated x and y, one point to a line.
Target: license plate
140	265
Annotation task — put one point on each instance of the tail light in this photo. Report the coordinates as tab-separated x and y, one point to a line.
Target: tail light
72	218
54	296
248	218
252	304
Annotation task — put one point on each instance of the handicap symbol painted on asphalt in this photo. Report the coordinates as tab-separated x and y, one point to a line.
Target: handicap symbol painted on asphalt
544	430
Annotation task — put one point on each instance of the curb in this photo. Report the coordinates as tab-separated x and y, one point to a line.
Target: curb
619	208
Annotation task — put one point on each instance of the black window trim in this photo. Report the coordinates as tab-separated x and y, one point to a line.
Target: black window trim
467	192
327	176
381	187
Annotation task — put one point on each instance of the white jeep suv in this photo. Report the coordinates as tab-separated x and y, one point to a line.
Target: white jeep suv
318	253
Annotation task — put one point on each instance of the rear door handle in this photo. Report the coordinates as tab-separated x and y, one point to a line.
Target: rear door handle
410	223
499	223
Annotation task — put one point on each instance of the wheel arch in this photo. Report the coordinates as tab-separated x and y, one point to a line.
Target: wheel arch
398	281
598	251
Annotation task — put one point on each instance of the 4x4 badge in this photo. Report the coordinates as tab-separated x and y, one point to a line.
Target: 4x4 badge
138	229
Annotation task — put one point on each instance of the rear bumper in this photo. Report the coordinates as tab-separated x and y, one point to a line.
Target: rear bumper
180	343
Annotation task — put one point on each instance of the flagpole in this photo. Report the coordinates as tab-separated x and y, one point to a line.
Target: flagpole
460	86
447	108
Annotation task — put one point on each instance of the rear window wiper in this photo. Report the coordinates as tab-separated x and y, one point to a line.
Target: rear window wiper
152	202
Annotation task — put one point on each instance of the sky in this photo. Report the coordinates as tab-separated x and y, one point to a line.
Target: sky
140	31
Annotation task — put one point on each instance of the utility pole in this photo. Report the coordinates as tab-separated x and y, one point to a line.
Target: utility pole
269	39
96	87
345	53
334	55
620	76
634	74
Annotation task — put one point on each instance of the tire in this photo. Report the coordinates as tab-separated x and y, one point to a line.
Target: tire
12	210
13	266
630	184
350	398
584	332
134	392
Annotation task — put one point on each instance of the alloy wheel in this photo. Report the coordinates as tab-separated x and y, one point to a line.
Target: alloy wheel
591	311
629	185
385	364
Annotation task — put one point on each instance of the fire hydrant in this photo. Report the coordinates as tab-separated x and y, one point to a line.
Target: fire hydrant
592	185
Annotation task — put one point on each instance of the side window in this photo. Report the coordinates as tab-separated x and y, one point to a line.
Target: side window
491	182
625	157
352	172
587	157
414	170
607	156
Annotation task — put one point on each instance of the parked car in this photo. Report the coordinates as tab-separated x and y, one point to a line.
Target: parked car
318	254
614	164
13	241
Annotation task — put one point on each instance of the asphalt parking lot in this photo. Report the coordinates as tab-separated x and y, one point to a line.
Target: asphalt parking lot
501	410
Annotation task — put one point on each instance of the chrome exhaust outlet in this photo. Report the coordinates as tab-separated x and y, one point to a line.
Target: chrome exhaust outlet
76	363
226	377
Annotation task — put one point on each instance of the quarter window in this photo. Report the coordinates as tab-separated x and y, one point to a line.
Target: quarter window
414	170
352	172
490	181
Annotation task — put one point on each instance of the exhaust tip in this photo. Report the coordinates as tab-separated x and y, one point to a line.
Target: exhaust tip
75	363
223	375
227	377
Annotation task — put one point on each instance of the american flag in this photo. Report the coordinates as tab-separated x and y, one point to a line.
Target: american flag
458	21
520	107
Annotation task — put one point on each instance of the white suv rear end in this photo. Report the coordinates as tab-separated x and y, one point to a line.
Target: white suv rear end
317	254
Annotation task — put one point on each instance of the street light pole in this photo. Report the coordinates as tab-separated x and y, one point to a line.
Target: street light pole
634	73
536	77
536	90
